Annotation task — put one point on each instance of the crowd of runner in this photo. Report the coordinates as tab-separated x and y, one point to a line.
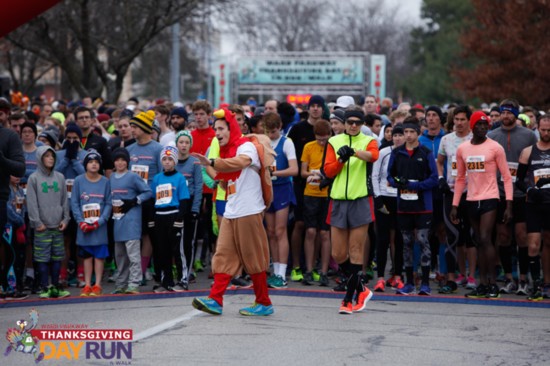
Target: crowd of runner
367	196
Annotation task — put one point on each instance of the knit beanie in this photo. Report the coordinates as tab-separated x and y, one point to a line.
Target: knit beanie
186	134
171	152
51	135
354	113
316	99
92	154
144	120
30	125
412	126
478	116
121	152
73	127
338	114
180	112
59	116
437	110
398	130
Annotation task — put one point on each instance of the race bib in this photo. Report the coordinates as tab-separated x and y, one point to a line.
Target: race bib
231	188
19	202
454	171
164	194
142	171
390	189
117	212
409	195
475	163
513	167
91	212
541	173
69	184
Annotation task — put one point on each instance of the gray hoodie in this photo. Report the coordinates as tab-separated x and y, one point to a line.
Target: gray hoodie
47	195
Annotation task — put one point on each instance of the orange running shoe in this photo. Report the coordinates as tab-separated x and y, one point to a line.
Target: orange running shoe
362	299
398	284
86	291
380	285
346	308
96	291
391	281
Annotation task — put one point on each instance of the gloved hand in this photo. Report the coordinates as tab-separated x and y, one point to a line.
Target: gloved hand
443	185
71	148
325	182
83	226
345	152
401	182
533	194
94	226
542	182
128	204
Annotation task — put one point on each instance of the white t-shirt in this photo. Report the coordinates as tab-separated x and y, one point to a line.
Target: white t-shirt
168	139
447	147
247	198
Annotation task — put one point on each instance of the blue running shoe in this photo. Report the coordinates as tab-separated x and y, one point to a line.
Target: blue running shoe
408	289
425	290
207	305
257	310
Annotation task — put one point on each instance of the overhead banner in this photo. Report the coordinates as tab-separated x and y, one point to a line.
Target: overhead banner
221	84
377	80
298	70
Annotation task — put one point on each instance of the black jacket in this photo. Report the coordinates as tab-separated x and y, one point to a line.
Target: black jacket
12	160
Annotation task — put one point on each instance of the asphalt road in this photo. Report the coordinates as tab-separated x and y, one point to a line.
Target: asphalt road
306	329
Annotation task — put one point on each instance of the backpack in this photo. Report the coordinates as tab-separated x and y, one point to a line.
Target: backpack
267	157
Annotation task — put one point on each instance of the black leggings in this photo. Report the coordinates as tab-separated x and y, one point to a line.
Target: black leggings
385	223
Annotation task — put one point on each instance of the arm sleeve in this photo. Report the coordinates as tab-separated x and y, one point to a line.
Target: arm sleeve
183	191
520	179
32	202
376	169
77	166
232	164
108	205
75	202
289	150
372	147
61	163
208	181
65	199
391	169
431	181
505	173
14	162
460	182
143	189
332	166
197	182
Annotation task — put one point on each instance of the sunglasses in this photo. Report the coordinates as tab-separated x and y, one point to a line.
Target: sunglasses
354	122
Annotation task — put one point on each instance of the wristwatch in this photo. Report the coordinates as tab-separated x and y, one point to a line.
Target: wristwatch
212	162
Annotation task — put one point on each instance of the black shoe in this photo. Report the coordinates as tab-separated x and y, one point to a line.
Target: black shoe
323	280
478	293
493	292
308	279
240	282
27	286
342	287
18	295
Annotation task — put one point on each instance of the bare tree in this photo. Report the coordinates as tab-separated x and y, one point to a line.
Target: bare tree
94	43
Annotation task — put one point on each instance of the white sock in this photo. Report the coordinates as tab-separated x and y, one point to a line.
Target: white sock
275	268
282	270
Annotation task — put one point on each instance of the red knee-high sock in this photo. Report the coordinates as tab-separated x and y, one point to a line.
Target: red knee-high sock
260	288
221	280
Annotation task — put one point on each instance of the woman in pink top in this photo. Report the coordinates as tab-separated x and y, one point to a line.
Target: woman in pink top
480	158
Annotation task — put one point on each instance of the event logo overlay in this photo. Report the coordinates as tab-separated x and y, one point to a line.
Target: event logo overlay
69	341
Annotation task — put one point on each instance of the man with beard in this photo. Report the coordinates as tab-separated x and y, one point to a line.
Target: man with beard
178	119
513	139
534	163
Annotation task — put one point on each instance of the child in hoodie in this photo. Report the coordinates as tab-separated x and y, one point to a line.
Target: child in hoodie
91	207
48	210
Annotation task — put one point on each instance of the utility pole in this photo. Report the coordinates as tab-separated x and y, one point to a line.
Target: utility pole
175	64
